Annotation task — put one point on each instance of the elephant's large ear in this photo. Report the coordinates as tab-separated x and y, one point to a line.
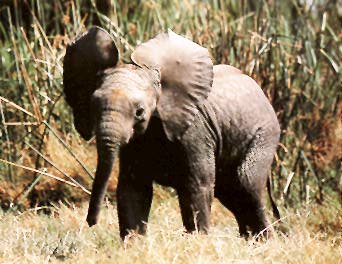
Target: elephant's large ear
89	54
186	78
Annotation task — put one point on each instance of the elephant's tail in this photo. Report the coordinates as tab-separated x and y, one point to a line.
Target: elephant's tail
273	204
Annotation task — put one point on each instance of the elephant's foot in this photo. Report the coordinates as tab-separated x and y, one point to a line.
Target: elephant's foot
91	220
255	220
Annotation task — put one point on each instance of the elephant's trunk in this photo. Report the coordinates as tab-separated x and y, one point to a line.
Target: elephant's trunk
109	136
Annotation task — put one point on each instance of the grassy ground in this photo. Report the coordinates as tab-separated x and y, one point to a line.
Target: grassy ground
314	236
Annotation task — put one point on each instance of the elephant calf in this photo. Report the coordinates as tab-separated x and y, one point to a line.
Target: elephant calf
175	119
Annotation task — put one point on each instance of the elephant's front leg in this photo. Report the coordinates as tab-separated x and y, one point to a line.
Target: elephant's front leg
134	203
196	190
195	208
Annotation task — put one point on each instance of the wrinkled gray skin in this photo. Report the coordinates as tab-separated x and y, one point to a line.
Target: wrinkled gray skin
224	151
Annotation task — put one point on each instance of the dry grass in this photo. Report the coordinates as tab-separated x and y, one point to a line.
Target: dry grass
31	237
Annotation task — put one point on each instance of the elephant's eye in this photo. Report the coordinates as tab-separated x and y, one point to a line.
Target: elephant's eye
139	112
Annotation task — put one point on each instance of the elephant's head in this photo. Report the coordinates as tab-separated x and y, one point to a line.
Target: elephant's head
169	77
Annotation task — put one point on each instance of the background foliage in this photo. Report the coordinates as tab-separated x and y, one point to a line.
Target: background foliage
292	48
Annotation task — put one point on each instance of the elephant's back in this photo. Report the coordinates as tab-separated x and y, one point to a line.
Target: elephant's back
241	106
239	96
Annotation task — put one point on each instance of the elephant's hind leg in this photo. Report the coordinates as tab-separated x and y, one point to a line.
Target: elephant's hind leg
252	176
243	191
247	207
251	213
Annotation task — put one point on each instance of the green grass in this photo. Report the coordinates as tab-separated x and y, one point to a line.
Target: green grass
64	236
